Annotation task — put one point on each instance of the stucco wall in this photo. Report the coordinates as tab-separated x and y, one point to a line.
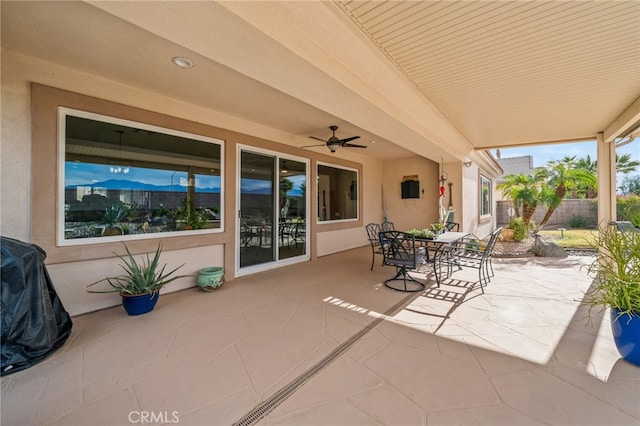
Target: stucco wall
70	277
472	222
411	212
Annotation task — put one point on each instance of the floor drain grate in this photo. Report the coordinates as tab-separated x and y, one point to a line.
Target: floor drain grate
262	409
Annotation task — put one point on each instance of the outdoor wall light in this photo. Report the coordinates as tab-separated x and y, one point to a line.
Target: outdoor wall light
467	163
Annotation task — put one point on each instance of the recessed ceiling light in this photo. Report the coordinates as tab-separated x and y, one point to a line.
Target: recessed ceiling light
373	141
182	62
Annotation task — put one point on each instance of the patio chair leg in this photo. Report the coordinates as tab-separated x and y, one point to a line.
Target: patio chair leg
405	276
488	274
481	279
437	270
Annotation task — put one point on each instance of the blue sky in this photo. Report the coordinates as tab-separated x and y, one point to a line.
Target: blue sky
85	174
545	153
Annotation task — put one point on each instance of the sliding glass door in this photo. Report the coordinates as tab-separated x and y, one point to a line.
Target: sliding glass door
272	214
292	214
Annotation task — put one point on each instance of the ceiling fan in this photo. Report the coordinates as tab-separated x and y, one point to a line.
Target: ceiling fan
333	143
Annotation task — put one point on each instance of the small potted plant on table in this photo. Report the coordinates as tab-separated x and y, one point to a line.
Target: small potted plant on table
140	283
617	287
437	228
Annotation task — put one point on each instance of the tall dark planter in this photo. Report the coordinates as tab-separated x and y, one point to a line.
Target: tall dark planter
140	303
626	333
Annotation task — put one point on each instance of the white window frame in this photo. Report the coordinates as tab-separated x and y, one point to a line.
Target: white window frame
63	112
485	180
336	166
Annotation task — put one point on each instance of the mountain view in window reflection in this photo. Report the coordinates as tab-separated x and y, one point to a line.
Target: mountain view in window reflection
125	180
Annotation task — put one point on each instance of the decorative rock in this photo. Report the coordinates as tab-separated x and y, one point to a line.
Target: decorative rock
543	249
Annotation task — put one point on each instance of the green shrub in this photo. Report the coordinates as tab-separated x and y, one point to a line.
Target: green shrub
579	222
616	271
519	228
532	225
628	208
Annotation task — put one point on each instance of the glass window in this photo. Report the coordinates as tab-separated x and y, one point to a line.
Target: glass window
337	193
128	180
485	196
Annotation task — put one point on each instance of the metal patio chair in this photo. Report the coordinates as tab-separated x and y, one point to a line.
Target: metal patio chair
400	250
475	254
387	226
452	226
373	231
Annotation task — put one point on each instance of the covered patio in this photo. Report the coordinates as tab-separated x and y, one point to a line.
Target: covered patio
427	87
325	343
316	338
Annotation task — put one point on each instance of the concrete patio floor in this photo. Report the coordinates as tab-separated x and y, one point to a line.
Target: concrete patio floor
522	353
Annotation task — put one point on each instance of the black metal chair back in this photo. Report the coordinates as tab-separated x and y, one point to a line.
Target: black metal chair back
477	256
452	226
373	231
387	226
399	250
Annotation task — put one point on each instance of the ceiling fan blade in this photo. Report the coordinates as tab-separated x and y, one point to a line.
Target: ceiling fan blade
313	137
348	139
311	146
351	145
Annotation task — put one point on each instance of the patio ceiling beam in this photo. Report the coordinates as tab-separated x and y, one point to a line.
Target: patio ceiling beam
625	123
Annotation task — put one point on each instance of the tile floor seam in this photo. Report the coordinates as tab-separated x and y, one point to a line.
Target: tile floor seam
337	398
506	404
246	370
269	404
173	341
214	401
395	388
322	404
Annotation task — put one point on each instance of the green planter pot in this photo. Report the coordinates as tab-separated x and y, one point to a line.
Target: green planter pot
210	278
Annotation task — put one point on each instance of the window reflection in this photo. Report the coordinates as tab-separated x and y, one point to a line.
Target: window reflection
337	193
485	196
124	180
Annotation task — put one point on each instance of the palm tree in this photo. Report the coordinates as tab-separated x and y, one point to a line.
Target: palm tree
591	166
286	185
625	165
563	176
525	191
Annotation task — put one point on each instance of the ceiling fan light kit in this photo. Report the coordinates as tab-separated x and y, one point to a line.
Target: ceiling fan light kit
333	143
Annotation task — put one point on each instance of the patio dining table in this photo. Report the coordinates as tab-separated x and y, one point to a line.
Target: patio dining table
450	237
439	247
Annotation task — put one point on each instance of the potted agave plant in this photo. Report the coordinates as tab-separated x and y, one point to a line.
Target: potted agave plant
111	218
140	283
617	286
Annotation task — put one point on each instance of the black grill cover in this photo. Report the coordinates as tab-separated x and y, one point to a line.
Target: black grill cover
34	322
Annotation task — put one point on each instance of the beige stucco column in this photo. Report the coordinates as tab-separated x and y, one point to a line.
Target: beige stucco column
606	180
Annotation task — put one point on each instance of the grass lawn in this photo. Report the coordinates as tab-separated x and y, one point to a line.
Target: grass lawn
573	238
